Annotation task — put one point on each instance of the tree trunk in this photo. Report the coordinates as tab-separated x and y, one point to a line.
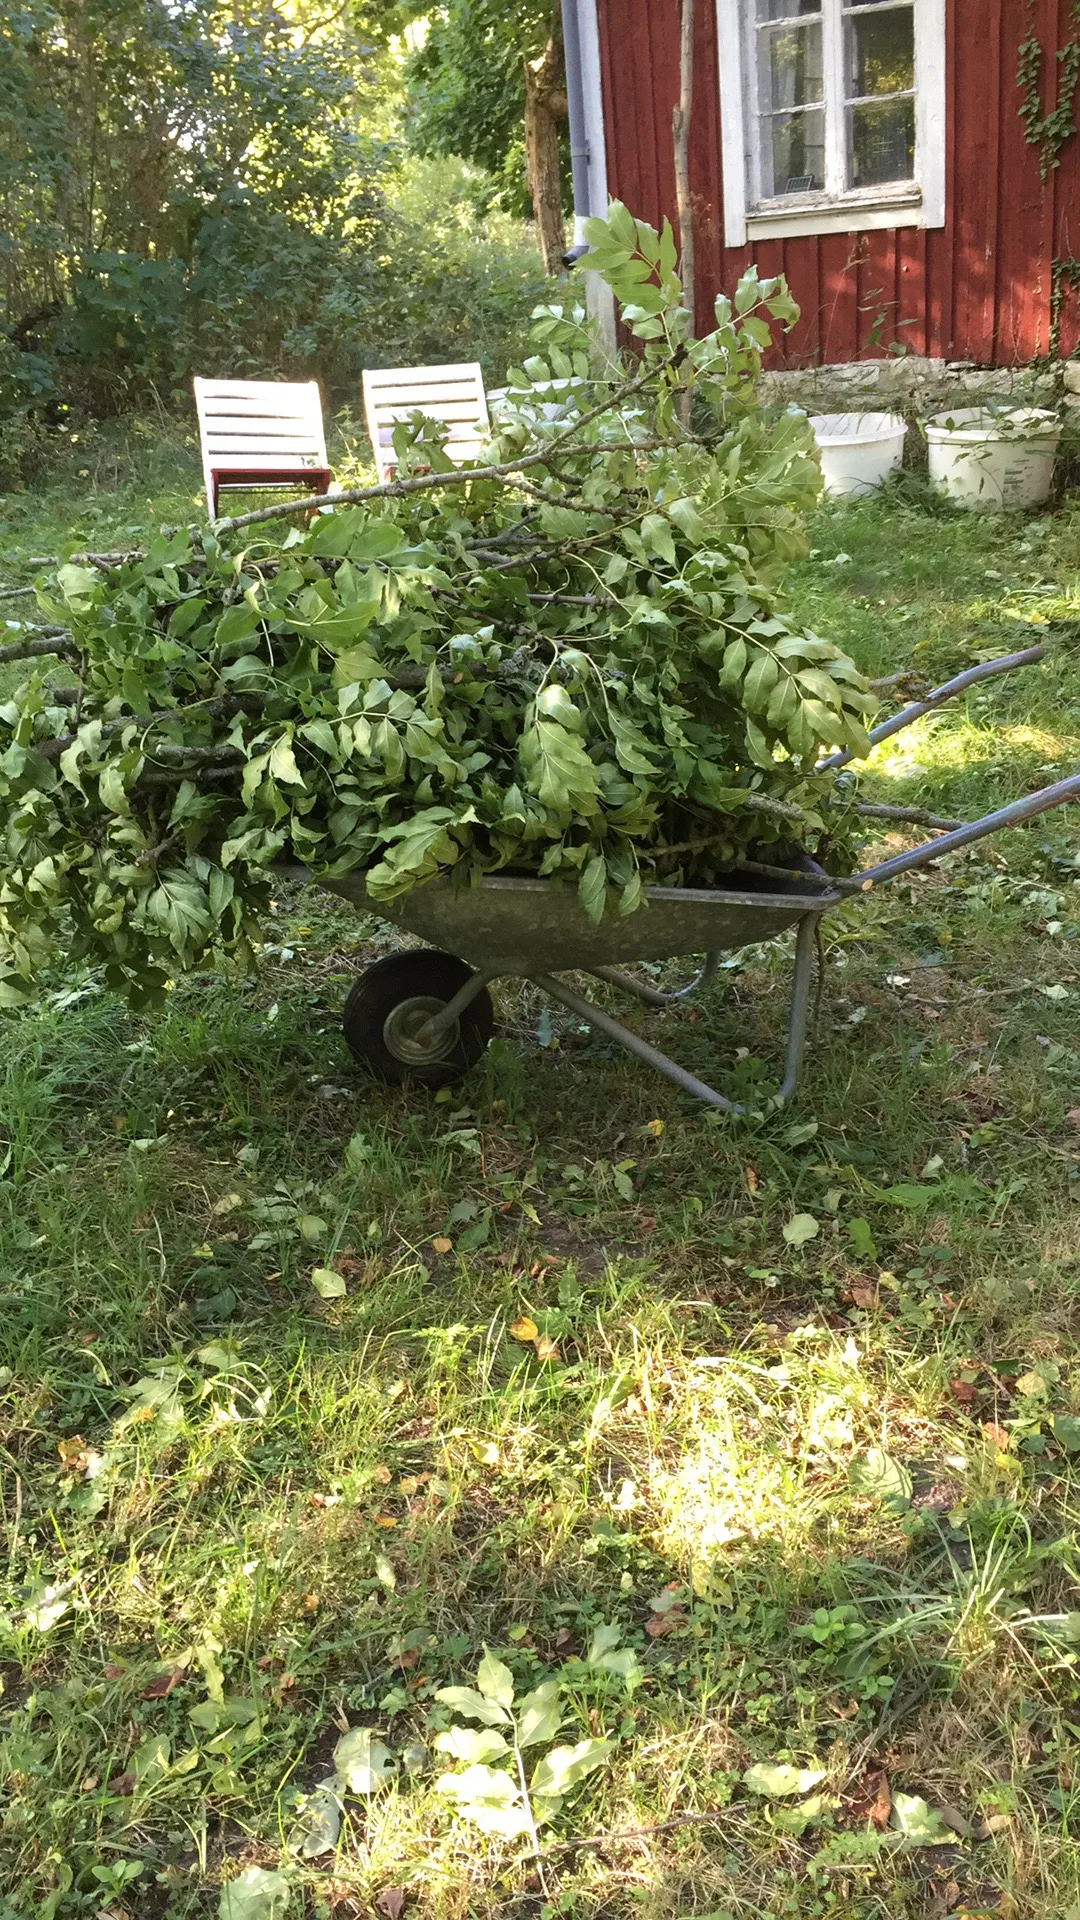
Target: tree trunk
545	106
681	133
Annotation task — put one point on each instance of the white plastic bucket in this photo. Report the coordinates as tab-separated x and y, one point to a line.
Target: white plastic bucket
999	462
858	450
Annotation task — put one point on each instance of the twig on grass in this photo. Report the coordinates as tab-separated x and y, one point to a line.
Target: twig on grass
917	816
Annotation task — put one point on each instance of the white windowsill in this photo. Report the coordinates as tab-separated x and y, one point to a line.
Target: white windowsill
857	213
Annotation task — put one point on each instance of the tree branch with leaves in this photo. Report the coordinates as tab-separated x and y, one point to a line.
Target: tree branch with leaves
571	660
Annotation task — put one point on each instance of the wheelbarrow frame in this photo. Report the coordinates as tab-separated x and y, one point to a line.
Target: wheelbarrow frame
499	926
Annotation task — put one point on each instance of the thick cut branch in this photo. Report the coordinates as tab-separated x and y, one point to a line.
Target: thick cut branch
53	640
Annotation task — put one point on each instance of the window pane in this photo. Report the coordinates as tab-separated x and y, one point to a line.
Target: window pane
881	52
790	71
882	142
786	9
793	153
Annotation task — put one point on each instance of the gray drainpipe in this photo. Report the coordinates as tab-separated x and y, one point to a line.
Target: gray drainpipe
575	98
585	107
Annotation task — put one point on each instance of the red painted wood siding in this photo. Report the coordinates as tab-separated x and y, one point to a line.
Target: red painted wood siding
978	288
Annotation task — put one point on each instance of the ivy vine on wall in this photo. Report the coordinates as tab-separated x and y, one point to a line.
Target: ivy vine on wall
1049	132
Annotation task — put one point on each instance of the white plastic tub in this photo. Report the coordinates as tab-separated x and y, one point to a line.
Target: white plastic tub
858	450
998	462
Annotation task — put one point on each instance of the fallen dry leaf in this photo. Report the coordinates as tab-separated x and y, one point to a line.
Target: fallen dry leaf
124	1784
390	1902
563	1638
163	1683
383	1475
310	1602
546	1349
880	1796
442	1244
1073	1117
753	1180
659	1625
524	1330
113	1672
963	1392
996	1435
865	1297
385	1520
655	1128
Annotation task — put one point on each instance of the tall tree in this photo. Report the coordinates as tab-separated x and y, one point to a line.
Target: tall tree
488	84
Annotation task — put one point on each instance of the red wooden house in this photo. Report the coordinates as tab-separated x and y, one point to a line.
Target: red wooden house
871	150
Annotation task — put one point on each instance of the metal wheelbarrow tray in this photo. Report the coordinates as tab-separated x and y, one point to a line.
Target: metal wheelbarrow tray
426	1015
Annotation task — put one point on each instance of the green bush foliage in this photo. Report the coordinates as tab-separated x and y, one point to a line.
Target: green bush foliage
210	189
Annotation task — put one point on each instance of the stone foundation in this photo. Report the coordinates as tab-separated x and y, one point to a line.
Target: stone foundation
916	386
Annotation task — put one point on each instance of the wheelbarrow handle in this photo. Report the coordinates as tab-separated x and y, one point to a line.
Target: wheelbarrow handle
1013	815
937	698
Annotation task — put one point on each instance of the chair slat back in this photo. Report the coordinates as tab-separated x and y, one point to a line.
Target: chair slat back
452	394
245	425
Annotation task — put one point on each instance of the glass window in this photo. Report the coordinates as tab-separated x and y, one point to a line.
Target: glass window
835	95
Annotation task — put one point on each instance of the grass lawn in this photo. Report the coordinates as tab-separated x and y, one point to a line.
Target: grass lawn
796	1505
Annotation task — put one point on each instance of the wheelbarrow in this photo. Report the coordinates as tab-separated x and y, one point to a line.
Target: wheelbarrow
426	1015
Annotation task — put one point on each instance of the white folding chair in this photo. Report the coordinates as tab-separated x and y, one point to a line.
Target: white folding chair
260	433
453	395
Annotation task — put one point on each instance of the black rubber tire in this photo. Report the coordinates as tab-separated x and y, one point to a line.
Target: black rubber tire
379	1003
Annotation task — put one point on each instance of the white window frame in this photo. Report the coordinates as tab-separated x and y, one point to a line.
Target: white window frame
910	203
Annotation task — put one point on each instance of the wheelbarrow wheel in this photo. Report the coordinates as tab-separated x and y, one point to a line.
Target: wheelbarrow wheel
386	1011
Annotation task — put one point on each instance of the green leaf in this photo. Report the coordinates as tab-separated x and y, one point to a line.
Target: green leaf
776	1781
565	1767
466	1700
760	680
255	1894
800	1229
318	1824
592	887
539	1715
877	1475
362	1762
283	765
328	1283
495	1681
656	534
465	1743
1066	1429
78	585
921	1826
489	1798
862	1239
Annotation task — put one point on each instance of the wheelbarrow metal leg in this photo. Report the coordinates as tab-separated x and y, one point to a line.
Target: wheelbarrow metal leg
595	1016
799	1010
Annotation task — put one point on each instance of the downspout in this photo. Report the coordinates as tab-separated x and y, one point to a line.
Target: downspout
588	146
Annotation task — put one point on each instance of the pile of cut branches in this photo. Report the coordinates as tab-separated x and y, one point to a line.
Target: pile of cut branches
569	660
